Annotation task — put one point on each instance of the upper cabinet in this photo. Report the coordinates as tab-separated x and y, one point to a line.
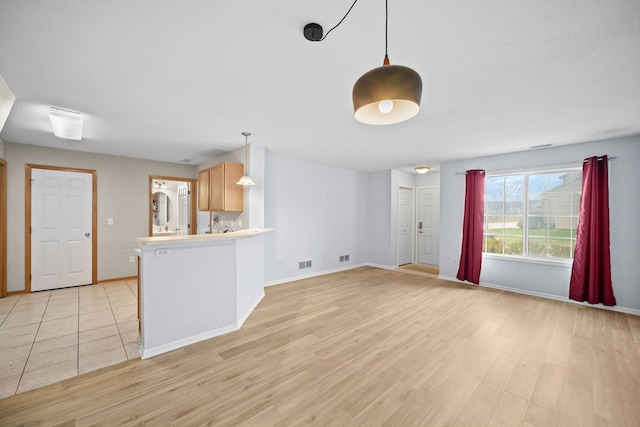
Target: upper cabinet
217	188
203	190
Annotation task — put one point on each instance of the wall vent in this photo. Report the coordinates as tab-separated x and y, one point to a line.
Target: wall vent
304	264
344	258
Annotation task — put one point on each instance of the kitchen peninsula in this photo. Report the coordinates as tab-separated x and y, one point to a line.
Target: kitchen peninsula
197	287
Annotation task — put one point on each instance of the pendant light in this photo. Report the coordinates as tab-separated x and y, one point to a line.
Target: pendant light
246	179
387	94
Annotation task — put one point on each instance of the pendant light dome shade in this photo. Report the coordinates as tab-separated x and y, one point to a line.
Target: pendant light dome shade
373	91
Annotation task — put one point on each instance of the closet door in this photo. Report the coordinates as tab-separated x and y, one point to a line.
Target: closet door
61	224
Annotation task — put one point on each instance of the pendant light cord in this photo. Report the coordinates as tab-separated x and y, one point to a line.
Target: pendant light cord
343	18
386	29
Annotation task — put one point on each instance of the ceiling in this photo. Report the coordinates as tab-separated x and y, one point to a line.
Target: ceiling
174	80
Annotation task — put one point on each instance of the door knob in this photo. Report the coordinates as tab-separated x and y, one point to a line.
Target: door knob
87	234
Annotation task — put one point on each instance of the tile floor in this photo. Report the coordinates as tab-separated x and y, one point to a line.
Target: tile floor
48	336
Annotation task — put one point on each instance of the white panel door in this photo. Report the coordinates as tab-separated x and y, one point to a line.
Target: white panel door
428	218
61	250
405	207
183	209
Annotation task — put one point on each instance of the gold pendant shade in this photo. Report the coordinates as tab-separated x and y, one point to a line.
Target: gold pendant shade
373	91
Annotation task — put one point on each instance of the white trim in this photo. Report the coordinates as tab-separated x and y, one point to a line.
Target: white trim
174	345
316	274
253	306
384	267
322	273
558	262
616	308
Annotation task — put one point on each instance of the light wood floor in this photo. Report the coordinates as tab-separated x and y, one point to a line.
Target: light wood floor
372	347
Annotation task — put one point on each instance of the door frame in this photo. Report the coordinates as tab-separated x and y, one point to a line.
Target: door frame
3	228
193	214
27	222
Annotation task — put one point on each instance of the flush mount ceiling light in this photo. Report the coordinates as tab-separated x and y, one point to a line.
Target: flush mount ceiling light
385	95
422	169
246	179
66	124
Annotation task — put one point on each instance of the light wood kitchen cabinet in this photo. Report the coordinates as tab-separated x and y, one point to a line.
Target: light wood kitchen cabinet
217	188
203	190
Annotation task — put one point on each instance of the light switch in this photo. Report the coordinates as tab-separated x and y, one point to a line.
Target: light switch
109	221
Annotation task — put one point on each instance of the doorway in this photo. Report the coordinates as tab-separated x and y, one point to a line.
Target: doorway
428	221
172	210
61	227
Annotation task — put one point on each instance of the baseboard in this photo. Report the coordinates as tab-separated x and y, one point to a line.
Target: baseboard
247	313
316	274
174	345
20	292
385	267
155	351
615	308
117	279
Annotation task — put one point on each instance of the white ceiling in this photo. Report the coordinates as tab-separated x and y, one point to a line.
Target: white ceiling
172	80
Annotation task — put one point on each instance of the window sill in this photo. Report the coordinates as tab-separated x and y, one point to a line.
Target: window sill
531	260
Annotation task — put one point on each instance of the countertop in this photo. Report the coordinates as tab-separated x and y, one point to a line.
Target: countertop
199	238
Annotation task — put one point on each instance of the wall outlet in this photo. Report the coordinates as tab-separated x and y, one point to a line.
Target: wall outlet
109	221
132	258
162	252
239	223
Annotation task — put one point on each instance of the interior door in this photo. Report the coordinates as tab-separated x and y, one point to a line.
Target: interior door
183	209
61	225
428	219
405	207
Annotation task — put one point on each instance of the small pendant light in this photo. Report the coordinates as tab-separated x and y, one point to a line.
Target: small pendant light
388	94
246	179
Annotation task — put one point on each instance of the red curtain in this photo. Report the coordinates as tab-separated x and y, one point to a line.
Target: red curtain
471	254
591	271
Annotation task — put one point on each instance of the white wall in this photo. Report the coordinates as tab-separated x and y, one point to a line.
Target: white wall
253	214
123	194
379	219
318	213
429	179
624	205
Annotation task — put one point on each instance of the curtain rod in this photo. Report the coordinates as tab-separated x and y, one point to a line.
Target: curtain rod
538	166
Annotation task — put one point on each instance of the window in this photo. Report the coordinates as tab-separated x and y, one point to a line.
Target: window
532	214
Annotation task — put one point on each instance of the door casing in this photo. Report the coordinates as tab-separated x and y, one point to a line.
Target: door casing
27	221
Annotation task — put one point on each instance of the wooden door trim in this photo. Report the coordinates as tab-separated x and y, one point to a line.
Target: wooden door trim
27	222
3	228
193	200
